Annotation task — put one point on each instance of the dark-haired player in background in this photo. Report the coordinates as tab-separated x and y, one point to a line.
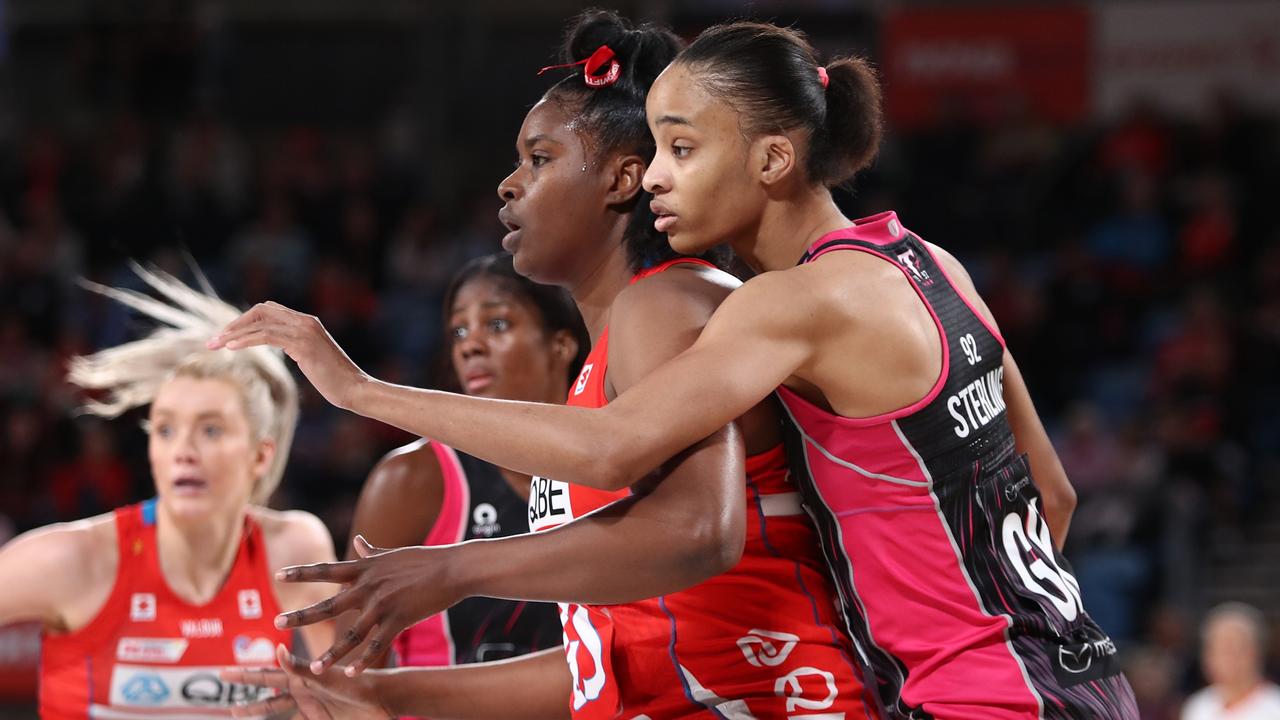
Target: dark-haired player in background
508	338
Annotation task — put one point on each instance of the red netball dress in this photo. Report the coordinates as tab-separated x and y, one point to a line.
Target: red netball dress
150	654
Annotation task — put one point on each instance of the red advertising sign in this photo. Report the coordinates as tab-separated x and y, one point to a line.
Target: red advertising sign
979	61
19	661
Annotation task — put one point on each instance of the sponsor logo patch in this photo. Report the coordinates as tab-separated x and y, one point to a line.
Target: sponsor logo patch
150	650
765	648
177	688
145	689
549	503
202	628
142	607
582	379
250	603
485	517
253	651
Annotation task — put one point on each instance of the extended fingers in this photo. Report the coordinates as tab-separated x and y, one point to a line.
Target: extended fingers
326	609
345	643
248	320
364	548
262	677
264	323
270	707
290	663
330	572
374	651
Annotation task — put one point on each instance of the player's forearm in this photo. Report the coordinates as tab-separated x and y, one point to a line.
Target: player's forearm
608	557
1051	480
1055	489
532	687
689	527
555	441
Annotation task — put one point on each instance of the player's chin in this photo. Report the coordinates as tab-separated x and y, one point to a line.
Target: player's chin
191	506
531	260
524	259
689	242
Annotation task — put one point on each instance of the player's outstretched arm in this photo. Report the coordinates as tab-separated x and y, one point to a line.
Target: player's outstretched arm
753	342
684	525
532	687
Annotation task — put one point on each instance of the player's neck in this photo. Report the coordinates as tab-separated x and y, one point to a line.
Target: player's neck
787	229
599	286
196	555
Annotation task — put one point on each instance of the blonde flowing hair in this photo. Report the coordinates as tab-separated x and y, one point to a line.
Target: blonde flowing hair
129	375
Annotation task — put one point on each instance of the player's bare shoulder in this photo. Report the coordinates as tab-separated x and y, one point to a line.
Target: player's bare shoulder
88	547
961	281
685	287
62	573
411	470
794	302
293	537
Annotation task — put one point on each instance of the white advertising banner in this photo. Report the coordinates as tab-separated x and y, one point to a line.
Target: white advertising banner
1180	54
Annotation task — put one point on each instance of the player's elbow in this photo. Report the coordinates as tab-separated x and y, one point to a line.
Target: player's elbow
717	542
609	466
1059	499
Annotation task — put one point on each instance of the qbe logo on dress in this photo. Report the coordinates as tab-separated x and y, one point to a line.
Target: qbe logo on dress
139	686
549	503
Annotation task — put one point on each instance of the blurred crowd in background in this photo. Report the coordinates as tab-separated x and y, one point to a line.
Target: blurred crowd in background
1132	261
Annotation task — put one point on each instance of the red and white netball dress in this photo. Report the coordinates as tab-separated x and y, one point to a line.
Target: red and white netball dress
150	654
760	641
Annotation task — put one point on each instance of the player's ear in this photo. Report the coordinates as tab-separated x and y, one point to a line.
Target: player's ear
564	345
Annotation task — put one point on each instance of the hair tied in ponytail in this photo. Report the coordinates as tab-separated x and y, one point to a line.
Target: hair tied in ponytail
591	74
822	77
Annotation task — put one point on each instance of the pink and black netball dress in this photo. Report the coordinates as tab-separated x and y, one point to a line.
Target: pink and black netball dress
949	582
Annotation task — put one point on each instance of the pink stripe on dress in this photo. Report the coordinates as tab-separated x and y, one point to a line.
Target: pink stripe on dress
430	642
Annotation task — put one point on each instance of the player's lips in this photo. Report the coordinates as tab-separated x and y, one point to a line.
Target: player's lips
666	218
477	380
189	485
507	218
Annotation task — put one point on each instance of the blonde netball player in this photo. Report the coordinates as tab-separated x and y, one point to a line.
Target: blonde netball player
142	606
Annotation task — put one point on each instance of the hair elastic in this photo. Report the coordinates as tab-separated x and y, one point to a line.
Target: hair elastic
822	76
591	74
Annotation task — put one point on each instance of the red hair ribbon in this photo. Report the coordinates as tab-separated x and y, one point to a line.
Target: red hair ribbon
591	74
822	77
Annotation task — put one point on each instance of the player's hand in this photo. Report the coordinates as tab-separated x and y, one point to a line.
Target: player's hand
329	696
303	338
390	589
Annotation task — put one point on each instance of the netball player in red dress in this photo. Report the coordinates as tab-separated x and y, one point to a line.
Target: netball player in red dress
510	338
759	640
143	606
917	440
